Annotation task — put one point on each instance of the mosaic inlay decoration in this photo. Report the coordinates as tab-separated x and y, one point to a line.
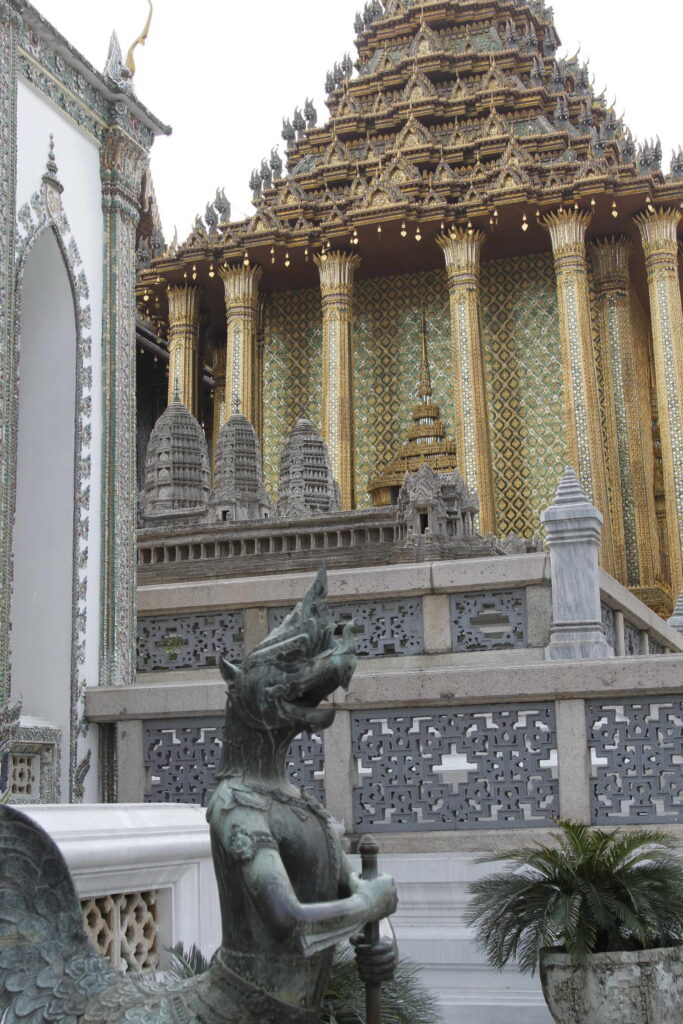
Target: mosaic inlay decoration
292	371
523	365
387	334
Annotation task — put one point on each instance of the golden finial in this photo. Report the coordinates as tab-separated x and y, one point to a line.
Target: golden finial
425	373
140	41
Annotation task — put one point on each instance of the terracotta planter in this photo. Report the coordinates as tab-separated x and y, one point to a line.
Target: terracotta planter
644	987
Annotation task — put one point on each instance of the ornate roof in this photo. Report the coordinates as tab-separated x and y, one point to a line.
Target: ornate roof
457	108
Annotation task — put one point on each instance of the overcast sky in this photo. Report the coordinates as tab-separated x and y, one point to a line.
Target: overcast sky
223	73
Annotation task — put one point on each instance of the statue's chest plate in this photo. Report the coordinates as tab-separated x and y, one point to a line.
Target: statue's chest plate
309	849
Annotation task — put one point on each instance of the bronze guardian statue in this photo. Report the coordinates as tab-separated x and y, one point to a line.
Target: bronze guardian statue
288	893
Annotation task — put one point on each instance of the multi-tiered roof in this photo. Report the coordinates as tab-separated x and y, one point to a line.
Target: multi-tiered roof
459	111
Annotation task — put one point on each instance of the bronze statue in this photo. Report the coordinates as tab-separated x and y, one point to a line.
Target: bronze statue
287	891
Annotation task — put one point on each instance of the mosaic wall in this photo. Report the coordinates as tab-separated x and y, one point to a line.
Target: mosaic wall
388	344
520	327
523	364
292	371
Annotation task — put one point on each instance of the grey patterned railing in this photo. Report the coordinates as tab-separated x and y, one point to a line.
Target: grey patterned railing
637	758
609	626
455	768
489	621
381	627
189	641
632	643
181	757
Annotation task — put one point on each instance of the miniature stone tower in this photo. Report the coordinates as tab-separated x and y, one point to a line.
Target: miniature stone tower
307	486
177	465
239	493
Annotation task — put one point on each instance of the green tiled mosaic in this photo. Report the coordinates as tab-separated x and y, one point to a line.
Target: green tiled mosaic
387	354
292	371
523	360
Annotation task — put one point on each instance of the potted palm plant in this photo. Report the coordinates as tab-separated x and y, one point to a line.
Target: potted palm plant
601	914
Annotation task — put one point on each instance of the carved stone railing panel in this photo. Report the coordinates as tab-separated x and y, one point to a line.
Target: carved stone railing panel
455	768
656	647
608	625
382	628
489	621
181	757
124	928
632	646
637	758
189	641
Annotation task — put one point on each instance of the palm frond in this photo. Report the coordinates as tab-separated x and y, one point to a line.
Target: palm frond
590	891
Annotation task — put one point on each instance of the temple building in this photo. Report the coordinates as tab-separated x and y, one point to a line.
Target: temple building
74	153
468	171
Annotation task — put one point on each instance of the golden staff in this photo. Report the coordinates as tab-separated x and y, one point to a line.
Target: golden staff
140	41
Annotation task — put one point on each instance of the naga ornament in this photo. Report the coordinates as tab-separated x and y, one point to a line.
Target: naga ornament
288	893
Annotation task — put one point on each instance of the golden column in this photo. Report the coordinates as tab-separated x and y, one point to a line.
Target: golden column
658	232
241	307
462	253
336	285
629	436
219	408
183	343
585	441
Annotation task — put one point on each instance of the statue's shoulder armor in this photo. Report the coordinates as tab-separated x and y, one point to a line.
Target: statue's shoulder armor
243	833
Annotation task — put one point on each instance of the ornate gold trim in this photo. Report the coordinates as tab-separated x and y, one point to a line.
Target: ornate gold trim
658	230
337	271
462	254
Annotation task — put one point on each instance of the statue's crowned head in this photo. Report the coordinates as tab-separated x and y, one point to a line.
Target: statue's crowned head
286	678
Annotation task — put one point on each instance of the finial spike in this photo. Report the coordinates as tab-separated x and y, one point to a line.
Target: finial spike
570	491
176	388
425	371
140	41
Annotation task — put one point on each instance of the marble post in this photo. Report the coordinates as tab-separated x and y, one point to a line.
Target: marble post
462	254
637	561
336	285
585	439
241	306
573	529
676	620
658	232
183	344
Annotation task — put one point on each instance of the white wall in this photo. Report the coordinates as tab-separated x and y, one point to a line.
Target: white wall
41	639
78	161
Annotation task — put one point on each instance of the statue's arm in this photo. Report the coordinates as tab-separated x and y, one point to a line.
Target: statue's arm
314	926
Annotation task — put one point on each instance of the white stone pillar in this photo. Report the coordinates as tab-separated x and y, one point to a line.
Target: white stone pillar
573	529
676	620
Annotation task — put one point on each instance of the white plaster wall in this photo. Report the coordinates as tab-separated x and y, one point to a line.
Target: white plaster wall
78	160
43	532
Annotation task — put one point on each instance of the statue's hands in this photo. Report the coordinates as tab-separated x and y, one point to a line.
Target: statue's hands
380	893
376	962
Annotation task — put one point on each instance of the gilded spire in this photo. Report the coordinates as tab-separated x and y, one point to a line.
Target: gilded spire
140	41
426	440
425	390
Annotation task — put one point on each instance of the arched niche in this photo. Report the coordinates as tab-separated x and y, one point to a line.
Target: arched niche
52	399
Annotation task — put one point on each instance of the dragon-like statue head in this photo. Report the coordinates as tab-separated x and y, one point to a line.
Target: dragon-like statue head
283	682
